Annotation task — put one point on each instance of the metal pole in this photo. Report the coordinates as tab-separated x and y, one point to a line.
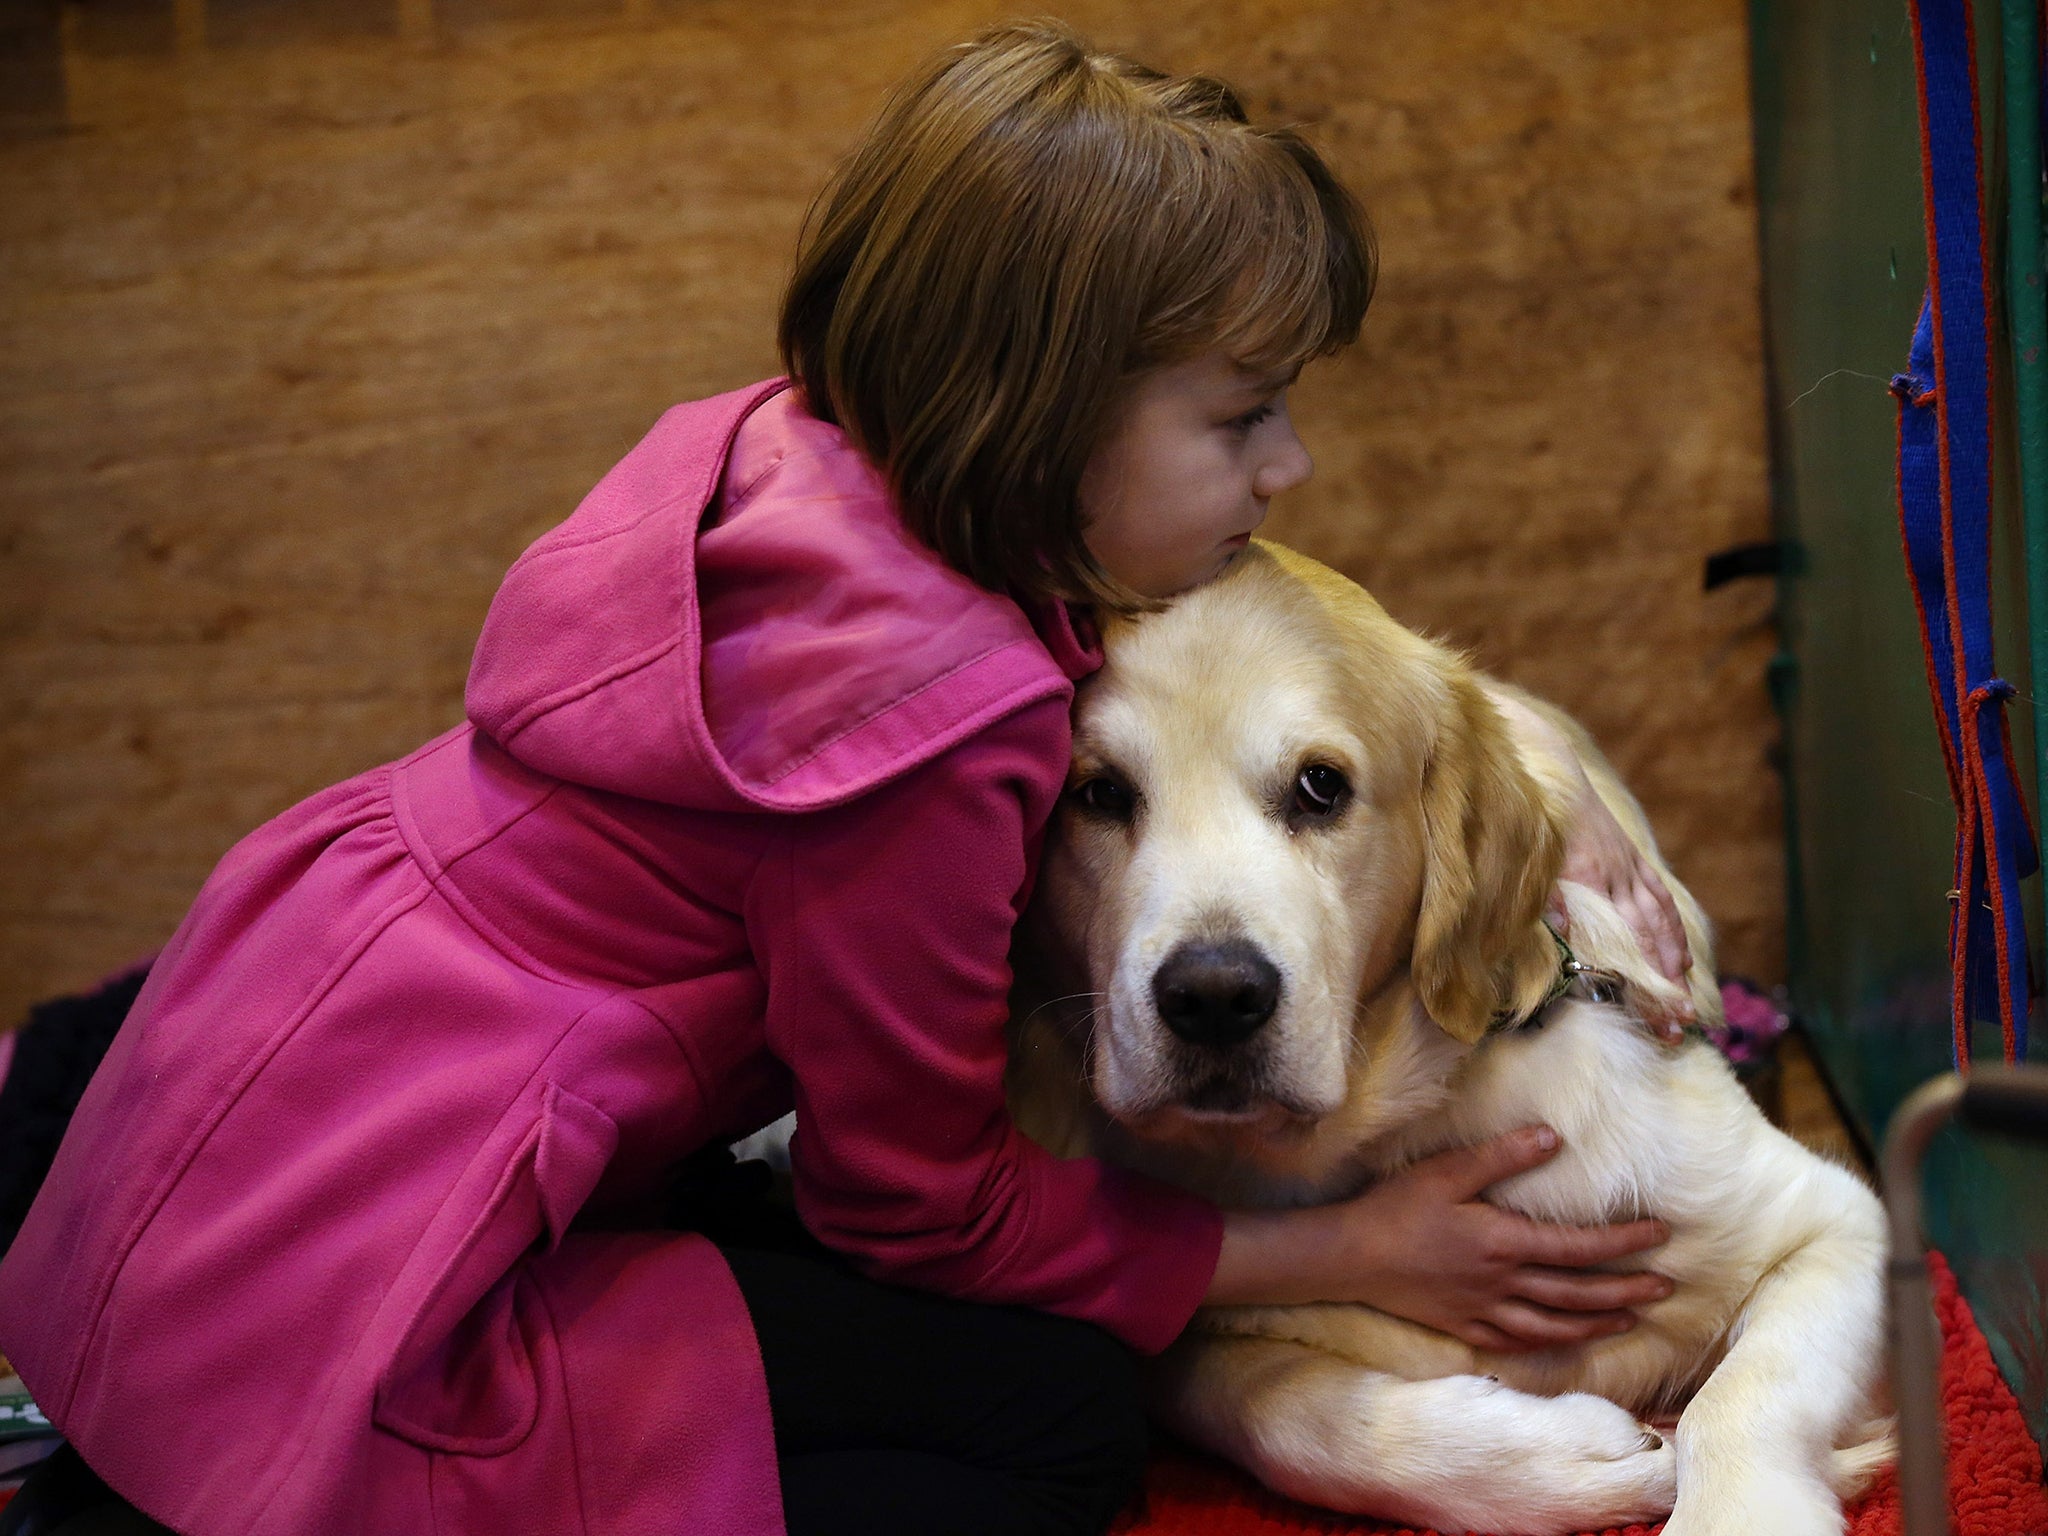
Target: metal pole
1915	1337
2012	1101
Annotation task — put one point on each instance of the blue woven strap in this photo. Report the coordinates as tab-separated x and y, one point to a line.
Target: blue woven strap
1945	413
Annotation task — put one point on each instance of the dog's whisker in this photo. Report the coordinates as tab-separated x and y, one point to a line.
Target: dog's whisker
1054	1002
1084	1023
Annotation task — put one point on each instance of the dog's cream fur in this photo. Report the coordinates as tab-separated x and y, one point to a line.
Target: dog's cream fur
1398	927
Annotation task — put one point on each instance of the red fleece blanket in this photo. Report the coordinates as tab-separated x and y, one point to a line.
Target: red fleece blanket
1994	1469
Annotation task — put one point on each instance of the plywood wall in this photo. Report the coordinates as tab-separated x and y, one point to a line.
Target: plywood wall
314	312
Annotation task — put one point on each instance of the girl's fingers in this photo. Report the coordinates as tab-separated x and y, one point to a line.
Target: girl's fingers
1468	1170
1537	1242
1669	1031
1539	1325
1663	942
1658	920
1645	921
1486	1336
1668	1019
1578	1290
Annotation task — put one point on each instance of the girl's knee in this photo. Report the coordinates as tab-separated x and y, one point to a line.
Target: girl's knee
1093	1395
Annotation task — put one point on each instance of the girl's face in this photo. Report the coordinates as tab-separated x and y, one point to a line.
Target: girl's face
1183	478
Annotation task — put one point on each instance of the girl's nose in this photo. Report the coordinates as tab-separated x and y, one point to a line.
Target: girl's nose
1286	467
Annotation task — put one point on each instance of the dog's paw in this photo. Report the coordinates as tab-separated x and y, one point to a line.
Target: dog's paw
1465	1453
1596	1465
1732	1501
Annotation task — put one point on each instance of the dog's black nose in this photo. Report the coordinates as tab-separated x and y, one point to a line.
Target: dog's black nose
1215	994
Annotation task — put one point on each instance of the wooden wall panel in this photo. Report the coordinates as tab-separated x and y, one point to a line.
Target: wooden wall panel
313	313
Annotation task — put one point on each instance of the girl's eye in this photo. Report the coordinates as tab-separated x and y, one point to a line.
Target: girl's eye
1320	792
1252	418
1104	796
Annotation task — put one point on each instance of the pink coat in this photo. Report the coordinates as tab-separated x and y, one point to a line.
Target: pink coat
349	1234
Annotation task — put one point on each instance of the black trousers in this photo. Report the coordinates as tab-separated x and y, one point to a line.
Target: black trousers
907	1414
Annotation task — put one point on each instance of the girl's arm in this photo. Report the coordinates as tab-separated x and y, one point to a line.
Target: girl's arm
883	930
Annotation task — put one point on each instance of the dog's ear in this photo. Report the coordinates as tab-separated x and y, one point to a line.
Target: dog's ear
1493	850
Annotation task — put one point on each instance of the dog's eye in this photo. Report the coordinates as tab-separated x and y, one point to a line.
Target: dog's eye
1105	796
1320	791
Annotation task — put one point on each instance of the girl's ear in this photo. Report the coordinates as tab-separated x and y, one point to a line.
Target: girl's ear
1492	851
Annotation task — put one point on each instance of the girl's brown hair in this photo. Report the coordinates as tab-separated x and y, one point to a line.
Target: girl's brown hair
1028	226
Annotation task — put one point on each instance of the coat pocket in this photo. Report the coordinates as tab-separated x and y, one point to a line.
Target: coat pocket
461	1378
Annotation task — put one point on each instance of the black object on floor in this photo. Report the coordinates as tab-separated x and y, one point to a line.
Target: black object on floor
55	1055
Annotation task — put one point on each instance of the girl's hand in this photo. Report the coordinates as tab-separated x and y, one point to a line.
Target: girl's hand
1496	1279
1603	858
1423	1246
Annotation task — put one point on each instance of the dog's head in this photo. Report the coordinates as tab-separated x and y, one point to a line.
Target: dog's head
1283	806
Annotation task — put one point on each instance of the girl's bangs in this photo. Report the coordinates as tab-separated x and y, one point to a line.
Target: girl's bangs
1285	270
1280	314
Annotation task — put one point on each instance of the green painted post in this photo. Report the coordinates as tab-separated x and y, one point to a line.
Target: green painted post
2028	319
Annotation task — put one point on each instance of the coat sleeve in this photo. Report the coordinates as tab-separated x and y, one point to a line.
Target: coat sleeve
883	927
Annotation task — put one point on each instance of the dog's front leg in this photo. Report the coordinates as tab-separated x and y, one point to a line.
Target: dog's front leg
1757	1446
1456	1453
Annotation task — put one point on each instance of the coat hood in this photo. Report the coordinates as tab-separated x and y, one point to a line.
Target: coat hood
736	618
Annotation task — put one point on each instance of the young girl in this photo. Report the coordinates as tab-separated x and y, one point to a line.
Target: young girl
358	1227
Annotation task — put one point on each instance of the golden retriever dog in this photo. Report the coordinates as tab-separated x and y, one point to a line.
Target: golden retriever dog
1288	937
